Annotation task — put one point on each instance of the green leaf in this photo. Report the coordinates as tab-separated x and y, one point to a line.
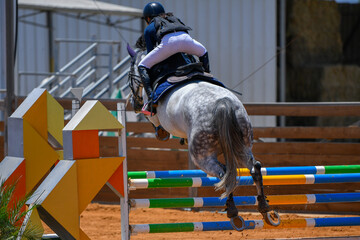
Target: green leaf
12	213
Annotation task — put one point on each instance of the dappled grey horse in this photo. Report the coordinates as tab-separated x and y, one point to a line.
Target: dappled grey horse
214	122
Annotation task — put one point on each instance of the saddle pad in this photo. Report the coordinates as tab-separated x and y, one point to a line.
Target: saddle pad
166	86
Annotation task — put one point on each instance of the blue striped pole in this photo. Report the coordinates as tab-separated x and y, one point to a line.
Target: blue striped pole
245	181
245	172
244	200
249	224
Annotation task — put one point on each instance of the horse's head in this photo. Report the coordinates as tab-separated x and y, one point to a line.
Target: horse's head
134	81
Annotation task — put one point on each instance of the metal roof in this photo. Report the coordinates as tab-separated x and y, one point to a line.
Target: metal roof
80	6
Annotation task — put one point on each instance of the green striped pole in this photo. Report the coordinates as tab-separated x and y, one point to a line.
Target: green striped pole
342	169
245	200
249	224
245	181
335	169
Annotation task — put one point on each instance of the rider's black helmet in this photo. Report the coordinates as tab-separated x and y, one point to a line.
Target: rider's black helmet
153	9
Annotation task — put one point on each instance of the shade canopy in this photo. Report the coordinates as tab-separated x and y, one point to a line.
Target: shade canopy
80	6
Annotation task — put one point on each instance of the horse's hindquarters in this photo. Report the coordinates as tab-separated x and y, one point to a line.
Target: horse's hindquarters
185	107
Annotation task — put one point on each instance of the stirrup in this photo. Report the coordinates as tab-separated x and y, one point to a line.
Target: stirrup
161	134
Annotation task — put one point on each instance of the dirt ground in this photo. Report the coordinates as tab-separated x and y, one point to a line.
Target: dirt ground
101	221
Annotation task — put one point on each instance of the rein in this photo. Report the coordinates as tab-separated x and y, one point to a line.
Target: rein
135	80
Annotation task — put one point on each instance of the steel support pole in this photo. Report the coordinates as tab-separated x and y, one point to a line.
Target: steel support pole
50	41
10	63
282	57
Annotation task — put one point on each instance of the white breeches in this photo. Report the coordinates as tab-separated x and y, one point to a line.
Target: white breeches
171	44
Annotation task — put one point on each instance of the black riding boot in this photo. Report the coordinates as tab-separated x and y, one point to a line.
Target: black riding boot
144	75
205	61
160	133
145	78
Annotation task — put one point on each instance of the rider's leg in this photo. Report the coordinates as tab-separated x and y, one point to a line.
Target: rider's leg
157	55
205	61
160	133
163	51
193	47
145	78
171	44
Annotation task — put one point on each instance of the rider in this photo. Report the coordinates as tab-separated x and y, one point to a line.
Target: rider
171	37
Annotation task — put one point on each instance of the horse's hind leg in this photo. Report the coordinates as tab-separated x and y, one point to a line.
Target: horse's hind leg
272	218
214	168
204	155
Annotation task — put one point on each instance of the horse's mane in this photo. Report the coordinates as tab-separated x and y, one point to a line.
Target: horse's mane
140	43
168	14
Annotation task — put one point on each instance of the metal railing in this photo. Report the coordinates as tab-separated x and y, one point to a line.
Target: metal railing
89	69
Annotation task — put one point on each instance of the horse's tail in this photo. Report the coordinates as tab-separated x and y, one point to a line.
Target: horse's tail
231	142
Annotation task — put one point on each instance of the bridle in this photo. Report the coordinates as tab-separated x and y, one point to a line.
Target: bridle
135	84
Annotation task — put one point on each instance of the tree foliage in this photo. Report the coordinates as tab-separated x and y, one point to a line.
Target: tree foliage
12	213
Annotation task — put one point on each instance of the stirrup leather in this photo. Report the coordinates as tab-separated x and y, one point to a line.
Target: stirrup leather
149	109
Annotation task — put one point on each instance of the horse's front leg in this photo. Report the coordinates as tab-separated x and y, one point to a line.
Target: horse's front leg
270	217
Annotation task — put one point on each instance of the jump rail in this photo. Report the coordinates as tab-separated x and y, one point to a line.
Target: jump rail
322	174
245	172
244	181
272	176
245	200
249	225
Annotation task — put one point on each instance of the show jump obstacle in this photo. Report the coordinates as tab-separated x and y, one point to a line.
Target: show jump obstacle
65	170
272	176
72	176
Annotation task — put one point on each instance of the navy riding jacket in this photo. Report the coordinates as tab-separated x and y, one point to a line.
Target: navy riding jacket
150	37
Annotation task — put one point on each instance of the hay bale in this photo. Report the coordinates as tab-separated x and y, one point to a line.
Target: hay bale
339	83
314	28
303	84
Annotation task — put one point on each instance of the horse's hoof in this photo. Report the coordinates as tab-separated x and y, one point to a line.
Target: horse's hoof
183	141
237	223
272	218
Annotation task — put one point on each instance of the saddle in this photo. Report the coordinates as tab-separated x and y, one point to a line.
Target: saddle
190	71
188	68
161	71
177	69
201	76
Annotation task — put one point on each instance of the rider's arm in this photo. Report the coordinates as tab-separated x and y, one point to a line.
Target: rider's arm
150	37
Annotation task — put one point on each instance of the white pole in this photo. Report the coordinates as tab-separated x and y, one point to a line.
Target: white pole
25	222
124	201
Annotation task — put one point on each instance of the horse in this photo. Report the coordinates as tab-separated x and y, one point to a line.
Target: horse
214	122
